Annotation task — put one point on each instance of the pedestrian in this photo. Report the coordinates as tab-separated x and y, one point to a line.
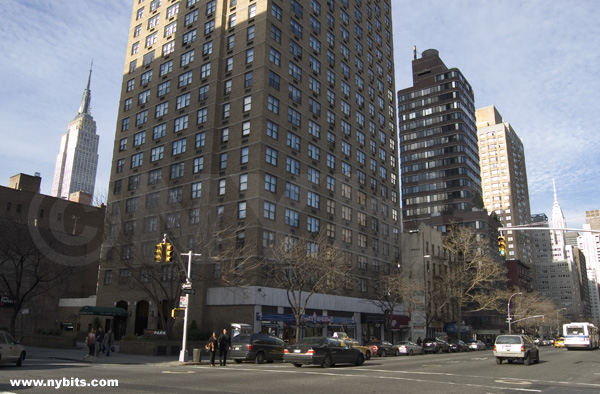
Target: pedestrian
224	346
90	341
99	341
419	341
108	342
211	346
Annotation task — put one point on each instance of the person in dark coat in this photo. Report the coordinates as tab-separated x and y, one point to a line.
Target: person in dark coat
99	341
211	346
224	346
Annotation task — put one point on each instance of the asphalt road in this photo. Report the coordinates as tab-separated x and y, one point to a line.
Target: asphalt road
559	372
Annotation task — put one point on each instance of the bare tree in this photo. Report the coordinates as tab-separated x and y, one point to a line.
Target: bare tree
26	272
531	310
304	266
474	275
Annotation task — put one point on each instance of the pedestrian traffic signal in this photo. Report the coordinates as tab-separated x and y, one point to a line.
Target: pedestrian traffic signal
502	246
169	253
158	253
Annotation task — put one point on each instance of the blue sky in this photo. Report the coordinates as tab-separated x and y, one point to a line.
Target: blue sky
536	61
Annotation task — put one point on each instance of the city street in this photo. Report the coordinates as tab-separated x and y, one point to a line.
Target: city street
559	371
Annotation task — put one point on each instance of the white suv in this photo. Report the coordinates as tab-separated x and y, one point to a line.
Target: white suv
516	347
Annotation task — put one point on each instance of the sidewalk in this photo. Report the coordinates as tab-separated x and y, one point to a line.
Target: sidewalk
76	355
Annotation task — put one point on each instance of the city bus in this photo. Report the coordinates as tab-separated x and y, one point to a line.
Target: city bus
580	336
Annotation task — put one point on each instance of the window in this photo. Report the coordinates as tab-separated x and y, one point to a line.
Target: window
272	129
250	31
271	156
313	199
223	161
292	191
164	88
222	185
291	217
273	104
296	28
198	164
209	27
275	56
137	160
249	55
295	71
226	110
200	139
314	152
276	34
187	58
294	117
314	129
189	37
293	166
185	79
183	101
177	170
139	138
244	155
225	135
204	71
211	7
242	210
313	175
157	153
248	79
141	117
178	147
312	224
122	144
295	49
181	123
159	131
191	18
245	129
172	10
270	183
203	92
196	190
274	80
269	210
276	11
293	141
202	115
247	103
161	109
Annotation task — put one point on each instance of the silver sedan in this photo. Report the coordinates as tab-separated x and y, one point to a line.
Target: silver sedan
409	348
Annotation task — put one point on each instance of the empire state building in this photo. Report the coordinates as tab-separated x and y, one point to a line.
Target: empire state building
77	160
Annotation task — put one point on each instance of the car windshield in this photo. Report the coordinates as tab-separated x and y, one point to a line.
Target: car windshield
402	343
508	340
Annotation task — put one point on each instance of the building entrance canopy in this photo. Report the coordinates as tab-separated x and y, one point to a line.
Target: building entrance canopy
102	311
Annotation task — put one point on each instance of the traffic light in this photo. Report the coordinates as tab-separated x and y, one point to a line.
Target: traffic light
169	253
158	253
502	246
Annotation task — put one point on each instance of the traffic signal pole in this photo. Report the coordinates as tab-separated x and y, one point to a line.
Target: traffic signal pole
188	283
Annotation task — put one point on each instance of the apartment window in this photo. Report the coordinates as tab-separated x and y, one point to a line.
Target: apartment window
185	79
313	199
330	183
314	85
200	139
293	141
187	58
242	210
273	104
250	31
314	129
172	10
166	68
183	101
211	7
161	109
272	129
202	115
205	70
269	210
270	183
209	27
189	37
159	131
313	175
141	117
175	195
191	18
244	152
271	156
157	153
137	160
178	147
146	78
249	55
275	56
164	88
139	138
314	152
198	164
222	185
292	191
276	11
223	161
248	79
177	170
294	116
274	80
295	71
243	182
168	48
151	39
247	103
203	92
313	224
291	217
122	144
226	110
134	182
196	190
181	123
245	129
276	34
293	166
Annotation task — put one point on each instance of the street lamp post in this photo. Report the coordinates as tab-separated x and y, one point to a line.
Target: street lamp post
509	318
183	351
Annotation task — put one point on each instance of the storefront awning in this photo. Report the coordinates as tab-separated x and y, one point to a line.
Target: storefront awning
102	311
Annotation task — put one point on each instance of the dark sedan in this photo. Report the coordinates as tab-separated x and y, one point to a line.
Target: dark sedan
458	346
382	348
325	352
435	345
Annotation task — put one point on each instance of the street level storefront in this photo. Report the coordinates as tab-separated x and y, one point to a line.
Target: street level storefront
284	325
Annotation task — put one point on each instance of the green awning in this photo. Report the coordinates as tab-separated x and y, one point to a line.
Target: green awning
102	311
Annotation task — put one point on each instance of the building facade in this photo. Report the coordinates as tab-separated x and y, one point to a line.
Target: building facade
263	119
504	180
438	143
77	159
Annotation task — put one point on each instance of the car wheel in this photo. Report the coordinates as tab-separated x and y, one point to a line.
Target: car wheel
260	358
382	354
21	358
410	352
537	358
297	365
498	360
360	360
326	362
397	353
238	361
528	360
368	355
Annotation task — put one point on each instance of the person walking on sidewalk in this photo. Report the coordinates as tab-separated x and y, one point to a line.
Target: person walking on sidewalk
108	342
211	346
224	346
99	341
90	341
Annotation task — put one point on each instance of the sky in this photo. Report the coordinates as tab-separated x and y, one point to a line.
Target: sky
536	61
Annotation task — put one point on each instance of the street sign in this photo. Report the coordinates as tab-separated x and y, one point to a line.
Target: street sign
186	285
189	291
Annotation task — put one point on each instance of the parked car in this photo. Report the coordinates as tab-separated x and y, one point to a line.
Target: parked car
382	348
516	347
458	346
257	347
476	344
409	348
11	351
355	344
435	345
560	342
325	352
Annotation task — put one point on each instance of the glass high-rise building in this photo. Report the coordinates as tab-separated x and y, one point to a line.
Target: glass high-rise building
271	119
